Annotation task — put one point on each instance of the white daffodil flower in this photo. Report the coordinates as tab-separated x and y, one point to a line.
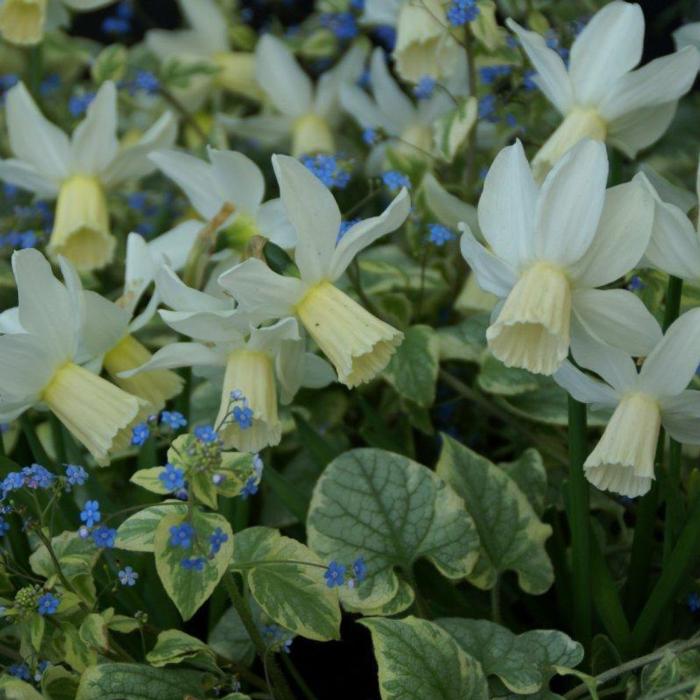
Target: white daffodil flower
234	178
409	126
551	248
256	360
78	171
358	344
623	459
40	366
687	35
674	246
600	95
206	41
426	44
303	112
24	22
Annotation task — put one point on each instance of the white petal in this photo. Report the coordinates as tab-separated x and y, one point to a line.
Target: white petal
446	207
618	318
582	387
86	5
365	110
238	179
663	80
507	206
195	177
317	372
104	325
680	415
674	246
44	304
668	191
94	141
132	162
552	77
269	338
273	224
348	70
289	368
178	296
212	326
313	212
687	35
268	130
207	19
381	12
180	355
9	321
25	175
173	247
670	367
636	130
389	96
255	286
26	366
570	204
33	138
366	232
609	46
492	273
622	236
281	77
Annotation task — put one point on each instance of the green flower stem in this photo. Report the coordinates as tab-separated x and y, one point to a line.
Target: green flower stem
642	545
279	682
578	511
684	554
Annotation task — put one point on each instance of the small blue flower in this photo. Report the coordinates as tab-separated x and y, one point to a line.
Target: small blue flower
344	227
205	433
173	419
490	74
636	284
76	475
277	638
250	488
243	415
104	537
395	180
139	434
12	482
193	563
328	170
385	35
78	104
693	602
116	26
8	80
10	191
216	539
425	87
462	11
124	10
335	574
47	604
50	84
439	234
173	477
144	81
37	477
181	535
4	526
529	82
359	569
90	514
127	576
342	24
370	136
20	671
487	107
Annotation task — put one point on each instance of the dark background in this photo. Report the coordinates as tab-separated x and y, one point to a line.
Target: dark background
347	669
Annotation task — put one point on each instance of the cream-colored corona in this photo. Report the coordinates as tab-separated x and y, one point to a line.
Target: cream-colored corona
237	73
311	134
22	21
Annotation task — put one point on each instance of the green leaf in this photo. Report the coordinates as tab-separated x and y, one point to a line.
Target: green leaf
414	366
451	130
529	473
110	64
149	479
674	668
138	682
59	684
173	647
512	536
230	639
391	511
93	631
418	660
524	663
13	689
76	555
495	378
466	341
292	593
136	533
188	588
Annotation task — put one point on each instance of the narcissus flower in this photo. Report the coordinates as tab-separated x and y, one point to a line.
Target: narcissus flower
358	344
38	367
552	246
206	42
78	171
24	22
234	178
303	112
600	95
256	361
623	459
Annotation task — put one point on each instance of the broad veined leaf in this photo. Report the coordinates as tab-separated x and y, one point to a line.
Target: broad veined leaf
391	511
230	639
524	663
512	536
173	647
76	555
15	689
495	378
57	683
136	533
189	588
294	594
418	660
149	479
465	341
93	632
414	366
529	473
451	130
138	682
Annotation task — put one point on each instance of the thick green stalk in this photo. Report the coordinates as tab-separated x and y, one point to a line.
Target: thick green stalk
578	514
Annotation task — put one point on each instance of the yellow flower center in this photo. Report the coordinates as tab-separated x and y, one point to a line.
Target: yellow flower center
311	134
